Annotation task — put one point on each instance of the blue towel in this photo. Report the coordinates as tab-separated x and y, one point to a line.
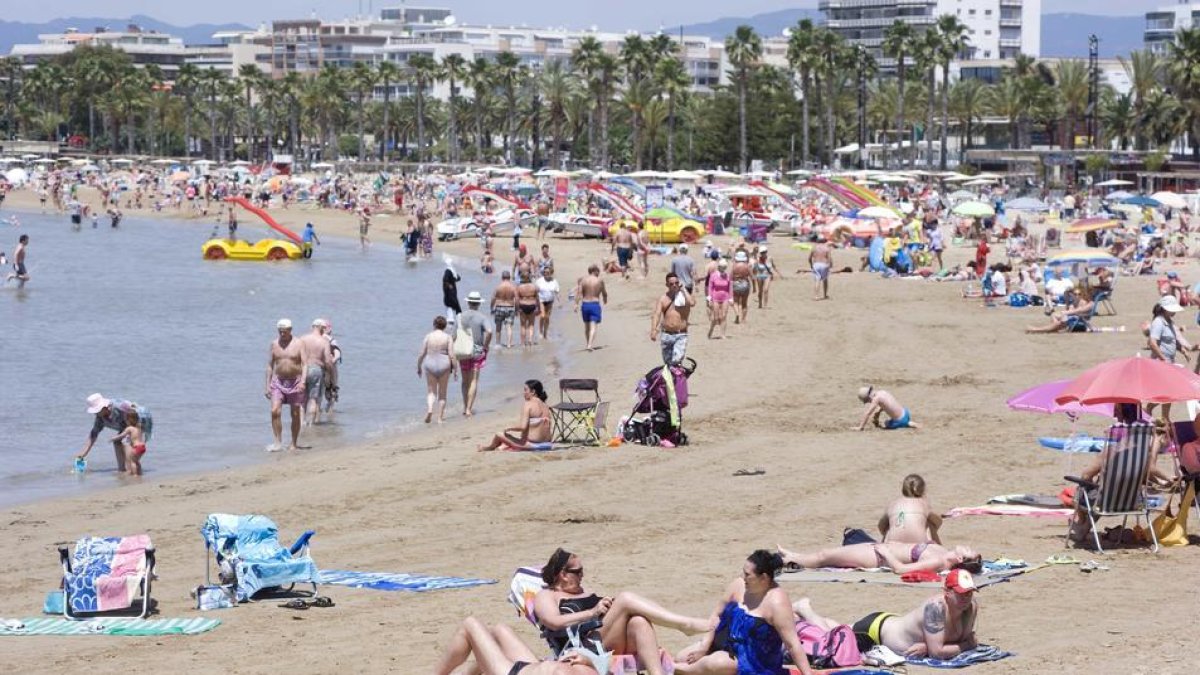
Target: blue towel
387	581
980	654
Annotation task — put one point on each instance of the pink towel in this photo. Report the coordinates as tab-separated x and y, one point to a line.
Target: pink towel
1008	510
118	588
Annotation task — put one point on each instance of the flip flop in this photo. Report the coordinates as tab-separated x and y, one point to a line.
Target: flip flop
749	472
295	603
321	601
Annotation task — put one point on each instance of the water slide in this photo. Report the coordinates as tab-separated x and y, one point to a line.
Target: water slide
863	192
266	218
506	202
629	184
766	187
843	196
619	202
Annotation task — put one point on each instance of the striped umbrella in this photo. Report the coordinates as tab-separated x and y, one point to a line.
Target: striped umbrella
1089	257
1093	224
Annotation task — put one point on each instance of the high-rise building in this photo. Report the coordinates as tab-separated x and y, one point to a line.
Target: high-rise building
997	29
1164	22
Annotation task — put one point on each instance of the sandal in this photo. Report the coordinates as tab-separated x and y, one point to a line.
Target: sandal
295	603
321	601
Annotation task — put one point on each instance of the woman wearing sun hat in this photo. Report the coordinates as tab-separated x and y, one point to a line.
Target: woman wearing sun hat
111	413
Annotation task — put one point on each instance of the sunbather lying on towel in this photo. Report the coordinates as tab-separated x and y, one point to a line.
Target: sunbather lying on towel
498	651
909	518
626	622
942	627
901	557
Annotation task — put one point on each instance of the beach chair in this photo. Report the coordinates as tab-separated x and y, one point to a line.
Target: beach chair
1121	490
106	574
249	556
574	416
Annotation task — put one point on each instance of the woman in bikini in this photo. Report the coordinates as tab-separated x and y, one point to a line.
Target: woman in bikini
624	624
764	273
740	275
533	428
754	625
437	363
498	651
909	518
900	557
529	309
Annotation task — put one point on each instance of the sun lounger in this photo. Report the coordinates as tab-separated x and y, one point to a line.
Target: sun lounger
247	547
106	574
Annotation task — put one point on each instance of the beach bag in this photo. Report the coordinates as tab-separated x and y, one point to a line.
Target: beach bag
215	597
1018	300
854	535
464	342
829	649
1171	530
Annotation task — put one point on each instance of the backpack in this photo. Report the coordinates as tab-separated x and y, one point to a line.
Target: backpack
829	649
464	342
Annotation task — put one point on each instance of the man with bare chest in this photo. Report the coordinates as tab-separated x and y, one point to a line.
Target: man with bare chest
670	318
286	367
318	356
504	308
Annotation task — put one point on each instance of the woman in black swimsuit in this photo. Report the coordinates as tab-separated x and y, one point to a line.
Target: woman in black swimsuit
498	651
625	624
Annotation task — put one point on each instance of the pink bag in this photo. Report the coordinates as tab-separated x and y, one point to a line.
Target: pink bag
829	649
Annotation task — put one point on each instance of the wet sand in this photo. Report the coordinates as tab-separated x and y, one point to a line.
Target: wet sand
674	525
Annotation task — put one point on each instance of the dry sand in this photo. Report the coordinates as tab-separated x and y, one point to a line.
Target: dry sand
674	525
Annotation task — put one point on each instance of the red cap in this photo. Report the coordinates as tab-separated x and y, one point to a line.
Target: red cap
960	581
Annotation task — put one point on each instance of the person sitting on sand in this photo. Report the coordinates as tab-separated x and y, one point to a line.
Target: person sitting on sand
498	651
900	557
1069	318
877	402
909	518
754	624
942	627
624	624
533	428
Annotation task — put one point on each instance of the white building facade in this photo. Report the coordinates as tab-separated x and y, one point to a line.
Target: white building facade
1164	22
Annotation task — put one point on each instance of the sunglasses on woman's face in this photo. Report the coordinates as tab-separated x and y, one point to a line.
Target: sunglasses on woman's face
573	570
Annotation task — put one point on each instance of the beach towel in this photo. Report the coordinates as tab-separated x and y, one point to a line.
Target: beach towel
106	572
531	447
388	581
126	627
1007	510
1042	501
980	654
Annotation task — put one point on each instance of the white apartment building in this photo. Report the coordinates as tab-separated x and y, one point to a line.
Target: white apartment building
997	29
1164	22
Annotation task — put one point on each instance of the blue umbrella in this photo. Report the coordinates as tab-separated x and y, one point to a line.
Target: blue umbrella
1026	204
1139	200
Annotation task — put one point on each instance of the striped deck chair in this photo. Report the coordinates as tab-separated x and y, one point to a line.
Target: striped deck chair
1121	487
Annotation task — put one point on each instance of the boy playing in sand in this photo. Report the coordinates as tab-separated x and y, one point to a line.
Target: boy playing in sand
135	444
877	402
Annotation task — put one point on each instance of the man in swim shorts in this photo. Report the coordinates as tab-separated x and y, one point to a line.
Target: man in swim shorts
19	272
318	354
286	368
820	259
877	402
589	294
482	329
670	320
942	627
623	244
504	307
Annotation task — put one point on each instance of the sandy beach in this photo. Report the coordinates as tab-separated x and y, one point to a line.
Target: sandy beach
674	525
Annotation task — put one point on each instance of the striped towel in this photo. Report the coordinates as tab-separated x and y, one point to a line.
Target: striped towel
980	654
129	627
387	581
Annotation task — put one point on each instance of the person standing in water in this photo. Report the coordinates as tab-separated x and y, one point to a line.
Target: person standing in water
319	356
19	272
450	280
286	367
309	236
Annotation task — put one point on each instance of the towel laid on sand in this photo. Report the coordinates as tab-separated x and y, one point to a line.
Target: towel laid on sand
127	627
980	654
387	581
1007	510
1041	501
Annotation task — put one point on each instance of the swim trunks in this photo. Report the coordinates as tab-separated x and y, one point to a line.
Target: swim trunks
473	363
590	311
289	391
868	630
21	269
314	383
503	314
903	422
623	256
821	271
139	449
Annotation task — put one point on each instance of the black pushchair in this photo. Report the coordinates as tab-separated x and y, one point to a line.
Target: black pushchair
657	416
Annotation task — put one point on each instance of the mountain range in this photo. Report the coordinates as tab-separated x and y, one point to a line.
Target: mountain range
1063	34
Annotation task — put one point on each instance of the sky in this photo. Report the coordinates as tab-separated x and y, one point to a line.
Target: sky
605	14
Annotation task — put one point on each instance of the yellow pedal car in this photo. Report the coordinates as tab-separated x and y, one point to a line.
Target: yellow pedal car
263	249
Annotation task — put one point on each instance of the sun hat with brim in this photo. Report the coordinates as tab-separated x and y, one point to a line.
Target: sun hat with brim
474	297
96	403
960	581
1170	303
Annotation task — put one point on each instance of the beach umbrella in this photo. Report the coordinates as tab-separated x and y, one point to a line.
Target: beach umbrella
44	160
799	172
980	181
1139	200
1040	399
1092	225
1170	200
878	212
163	162
1132	380
960	195
89	168
661	214
1090	257
1026	204
321	165
1115	182
17	176
893	179
685	176
974	209
1117	195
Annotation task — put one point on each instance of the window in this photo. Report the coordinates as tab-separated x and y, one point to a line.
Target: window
987	32
987	54
987	12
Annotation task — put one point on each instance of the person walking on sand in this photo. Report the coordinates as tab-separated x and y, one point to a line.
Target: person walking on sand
765	272
504	308
319	356
622	243
590	296
548	293
683	267
740	273
717	286
821	260
481	329
286	367
877	402
670	319
437	363
20	273
643	249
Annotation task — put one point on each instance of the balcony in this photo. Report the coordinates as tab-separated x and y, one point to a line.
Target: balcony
1010	23
1010	42
850	24
826	5
1010	3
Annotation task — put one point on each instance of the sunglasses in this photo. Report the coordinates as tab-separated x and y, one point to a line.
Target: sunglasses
573	570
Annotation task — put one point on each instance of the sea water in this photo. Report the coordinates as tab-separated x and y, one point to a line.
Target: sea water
136	313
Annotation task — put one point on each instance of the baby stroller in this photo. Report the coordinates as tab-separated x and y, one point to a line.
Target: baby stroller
657	415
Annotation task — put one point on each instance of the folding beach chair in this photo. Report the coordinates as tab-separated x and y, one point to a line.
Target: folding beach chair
248	555
576	412
1121	490
106	574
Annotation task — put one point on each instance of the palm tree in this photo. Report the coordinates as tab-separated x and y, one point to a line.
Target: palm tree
387	73
968	102
673	80
1119	119
558	86
638	94
743	49
653	117
251	78
454	70
362	81
865	69
424	71
1143	68
803	59
898	40
186	82
1182	71
833	68
586	59
479	77
211	80
10	71
608	70
1007	99
1072	88
928	47
508	66
292	89
954	42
